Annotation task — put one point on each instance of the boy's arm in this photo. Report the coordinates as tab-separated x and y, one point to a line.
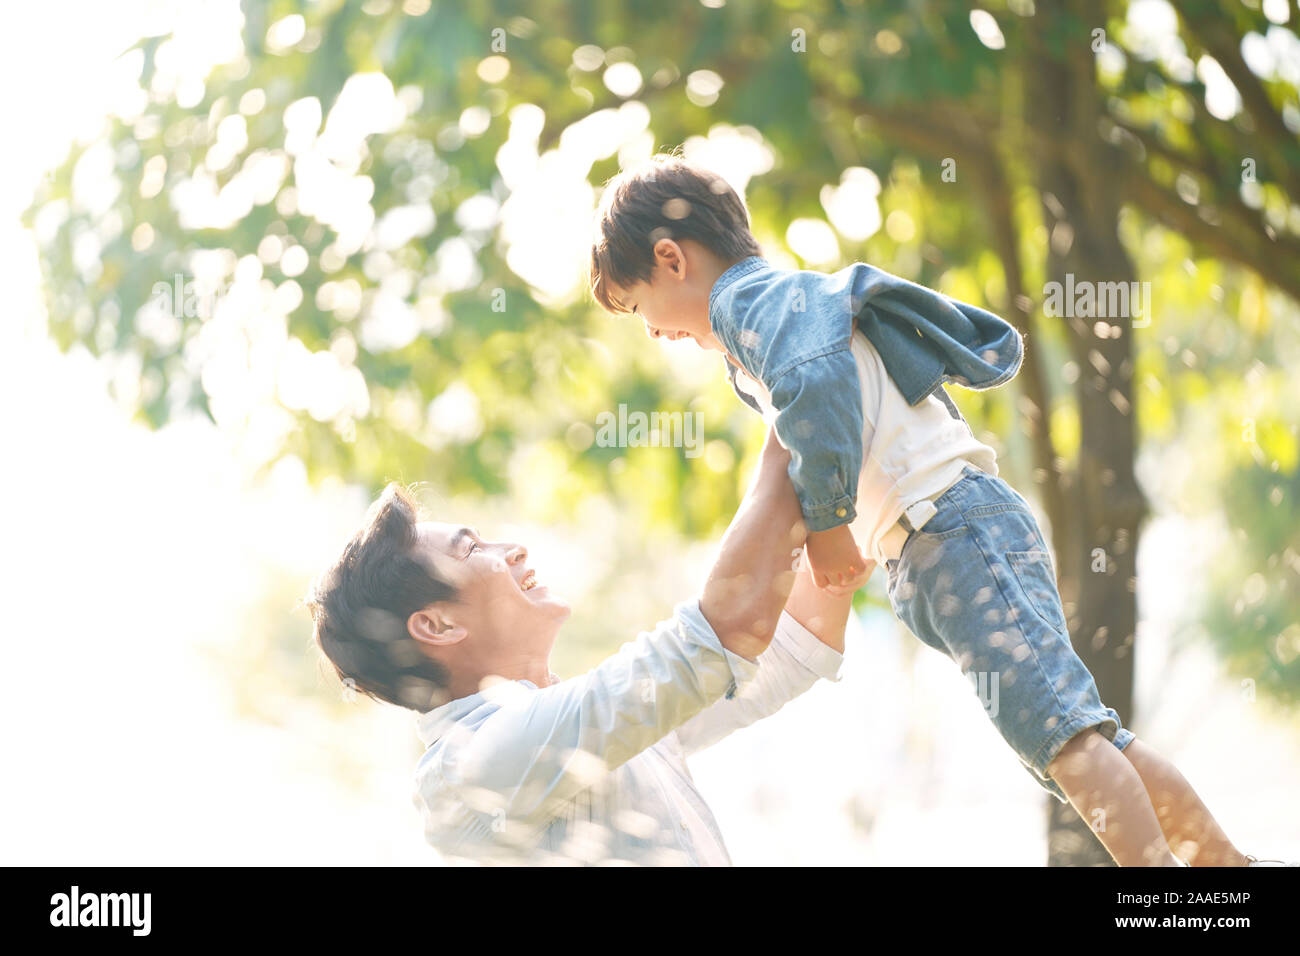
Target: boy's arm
836	562
819	419
791	332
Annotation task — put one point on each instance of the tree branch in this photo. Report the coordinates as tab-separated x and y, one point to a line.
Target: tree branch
1204	22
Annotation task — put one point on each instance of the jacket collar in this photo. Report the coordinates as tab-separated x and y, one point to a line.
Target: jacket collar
742	268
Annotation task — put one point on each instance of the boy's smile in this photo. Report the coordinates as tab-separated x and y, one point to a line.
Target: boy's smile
674	302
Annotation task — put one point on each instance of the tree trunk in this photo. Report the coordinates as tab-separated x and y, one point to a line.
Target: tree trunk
1097	573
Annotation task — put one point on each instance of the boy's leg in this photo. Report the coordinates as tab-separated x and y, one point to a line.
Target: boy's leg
1095	775
1188	825
977	583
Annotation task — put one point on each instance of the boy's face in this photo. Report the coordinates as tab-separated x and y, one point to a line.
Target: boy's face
674	302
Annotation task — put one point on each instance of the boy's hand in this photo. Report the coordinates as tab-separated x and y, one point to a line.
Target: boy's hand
837	565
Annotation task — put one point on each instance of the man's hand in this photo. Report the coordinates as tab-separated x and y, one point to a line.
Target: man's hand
837	564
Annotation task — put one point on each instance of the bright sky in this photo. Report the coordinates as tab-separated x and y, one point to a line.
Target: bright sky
129	752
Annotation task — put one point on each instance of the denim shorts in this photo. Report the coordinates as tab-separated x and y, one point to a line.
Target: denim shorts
977	583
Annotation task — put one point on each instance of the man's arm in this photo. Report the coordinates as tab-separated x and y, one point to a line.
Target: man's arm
541	747
824	615
752	577
809	644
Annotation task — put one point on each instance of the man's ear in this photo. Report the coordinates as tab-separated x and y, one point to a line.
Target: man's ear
434	627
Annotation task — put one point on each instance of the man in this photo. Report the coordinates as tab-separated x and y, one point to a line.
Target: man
522	767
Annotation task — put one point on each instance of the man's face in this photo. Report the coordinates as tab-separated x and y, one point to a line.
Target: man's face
502	605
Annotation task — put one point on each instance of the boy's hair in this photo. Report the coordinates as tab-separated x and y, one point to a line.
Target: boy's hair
361	603
664	198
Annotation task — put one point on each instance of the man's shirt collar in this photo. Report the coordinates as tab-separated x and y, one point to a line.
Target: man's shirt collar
432	724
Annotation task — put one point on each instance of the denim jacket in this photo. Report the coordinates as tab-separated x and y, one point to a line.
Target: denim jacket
791	331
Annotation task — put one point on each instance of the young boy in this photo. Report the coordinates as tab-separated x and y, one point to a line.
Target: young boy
849	369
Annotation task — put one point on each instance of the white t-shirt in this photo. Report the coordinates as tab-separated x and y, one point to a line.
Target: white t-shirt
908	453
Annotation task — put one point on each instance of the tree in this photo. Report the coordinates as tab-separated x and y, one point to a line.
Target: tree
1024	145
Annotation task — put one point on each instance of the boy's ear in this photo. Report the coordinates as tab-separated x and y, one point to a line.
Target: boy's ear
668	253
433	626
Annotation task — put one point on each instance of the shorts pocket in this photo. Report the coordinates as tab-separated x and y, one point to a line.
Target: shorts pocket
891	581
1038	582
947	522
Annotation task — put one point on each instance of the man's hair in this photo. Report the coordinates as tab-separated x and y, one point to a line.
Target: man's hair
361	603
664	198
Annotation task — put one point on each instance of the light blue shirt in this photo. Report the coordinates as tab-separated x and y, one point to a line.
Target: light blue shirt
593	769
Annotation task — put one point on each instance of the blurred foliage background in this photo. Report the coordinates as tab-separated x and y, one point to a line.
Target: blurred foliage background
354	236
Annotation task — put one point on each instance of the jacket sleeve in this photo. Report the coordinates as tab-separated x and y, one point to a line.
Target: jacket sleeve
791	334
926	338
819	420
